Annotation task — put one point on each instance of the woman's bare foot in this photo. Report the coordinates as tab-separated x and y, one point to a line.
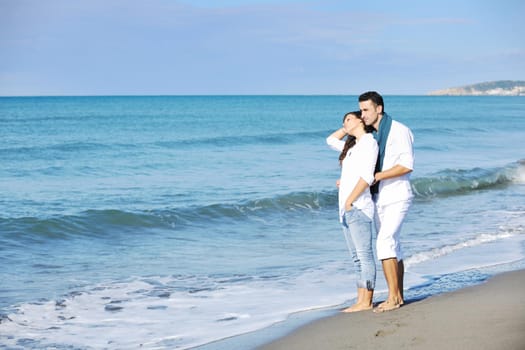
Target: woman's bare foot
358	307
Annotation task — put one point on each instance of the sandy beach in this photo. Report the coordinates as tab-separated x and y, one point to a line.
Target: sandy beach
486	316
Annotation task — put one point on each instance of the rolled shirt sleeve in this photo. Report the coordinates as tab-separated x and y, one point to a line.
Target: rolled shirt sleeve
406	149
335	144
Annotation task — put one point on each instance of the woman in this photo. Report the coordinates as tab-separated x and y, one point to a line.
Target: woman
356	209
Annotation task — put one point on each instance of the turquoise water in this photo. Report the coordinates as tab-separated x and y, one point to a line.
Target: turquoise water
172	222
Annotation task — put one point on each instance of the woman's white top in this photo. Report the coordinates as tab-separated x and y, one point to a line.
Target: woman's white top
360	162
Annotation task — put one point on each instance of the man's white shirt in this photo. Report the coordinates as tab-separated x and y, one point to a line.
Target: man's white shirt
399	151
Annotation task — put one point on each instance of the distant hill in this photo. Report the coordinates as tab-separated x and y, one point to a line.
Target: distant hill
491	88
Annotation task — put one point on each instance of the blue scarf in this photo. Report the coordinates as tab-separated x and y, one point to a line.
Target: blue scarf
381	136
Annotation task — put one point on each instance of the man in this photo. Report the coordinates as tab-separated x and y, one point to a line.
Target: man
392	192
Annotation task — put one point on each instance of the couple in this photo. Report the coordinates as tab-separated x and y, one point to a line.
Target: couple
383	161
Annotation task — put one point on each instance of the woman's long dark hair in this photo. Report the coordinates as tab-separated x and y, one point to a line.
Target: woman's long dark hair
350	140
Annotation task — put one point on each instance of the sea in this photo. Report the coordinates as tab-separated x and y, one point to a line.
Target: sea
210	222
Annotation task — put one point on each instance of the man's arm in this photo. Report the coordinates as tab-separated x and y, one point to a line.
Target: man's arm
395	171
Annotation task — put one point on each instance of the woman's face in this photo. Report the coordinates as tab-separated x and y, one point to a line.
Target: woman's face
350	123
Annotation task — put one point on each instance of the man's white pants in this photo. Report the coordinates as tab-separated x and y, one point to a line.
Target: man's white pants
389	219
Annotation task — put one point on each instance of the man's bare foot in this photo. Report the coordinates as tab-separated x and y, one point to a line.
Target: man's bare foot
388	306
357	307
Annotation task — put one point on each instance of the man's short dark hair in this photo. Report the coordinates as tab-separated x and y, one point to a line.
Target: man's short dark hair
375	97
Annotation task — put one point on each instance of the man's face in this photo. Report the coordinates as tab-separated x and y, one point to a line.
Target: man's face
370	112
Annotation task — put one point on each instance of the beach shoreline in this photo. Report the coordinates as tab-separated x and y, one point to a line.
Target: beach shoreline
485	316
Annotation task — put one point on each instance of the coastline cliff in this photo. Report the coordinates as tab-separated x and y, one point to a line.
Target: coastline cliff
493	88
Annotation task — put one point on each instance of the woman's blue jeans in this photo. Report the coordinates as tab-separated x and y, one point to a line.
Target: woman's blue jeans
357	228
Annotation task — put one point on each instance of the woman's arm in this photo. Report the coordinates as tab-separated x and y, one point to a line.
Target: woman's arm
366	166
338	134
359	188
335	140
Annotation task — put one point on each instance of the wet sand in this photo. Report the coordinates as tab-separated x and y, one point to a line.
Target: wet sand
487	316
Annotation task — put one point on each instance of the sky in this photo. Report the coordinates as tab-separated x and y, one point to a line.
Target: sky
267	47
